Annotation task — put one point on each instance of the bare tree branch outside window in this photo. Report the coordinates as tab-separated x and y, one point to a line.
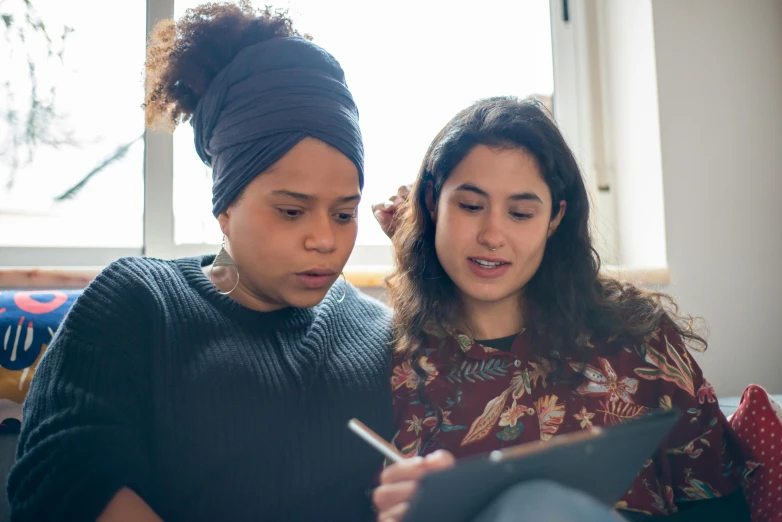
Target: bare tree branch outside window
30	118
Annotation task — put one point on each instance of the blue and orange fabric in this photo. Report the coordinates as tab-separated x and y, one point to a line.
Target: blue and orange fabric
28	321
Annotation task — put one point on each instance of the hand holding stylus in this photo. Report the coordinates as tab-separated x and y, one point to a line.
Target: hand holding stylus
399	481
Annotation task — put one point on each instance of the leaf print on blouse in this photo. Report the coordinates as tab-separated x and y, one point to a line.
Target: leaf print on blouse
659	502
481	427
622	504
404	375
619	412
679	373
523	381
697	489
550	415
412	448
585	417
696	413
510	433
706	393
511	416
415	424
520	384
540	370
689	449
465	343
446	425
669	499
605	383
472	371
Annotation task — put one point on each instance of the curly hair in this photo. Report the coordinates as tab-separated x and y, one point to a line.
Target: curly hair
184	56
570	307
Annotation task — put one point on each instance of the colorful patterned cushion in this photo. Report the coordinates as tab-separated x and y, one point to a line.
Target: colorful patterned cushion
758	422
28	320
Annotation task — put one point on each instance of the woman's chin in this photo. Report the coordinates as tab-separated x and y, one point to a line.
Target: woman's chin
486	293
305	299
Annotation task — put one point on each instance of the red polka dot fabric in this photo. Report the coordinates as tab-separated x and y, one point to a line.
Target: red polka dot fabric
758	422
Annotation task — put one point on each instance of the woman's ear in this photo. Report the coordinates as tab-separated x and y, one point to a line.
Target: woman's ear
431	206
224	219
552	226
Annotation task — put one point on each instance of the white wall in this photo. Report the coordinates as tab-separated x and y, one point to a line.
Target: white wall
719	80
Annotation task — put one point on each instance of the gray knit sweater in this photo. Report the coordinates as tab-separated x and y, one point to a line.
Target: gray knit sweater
207	409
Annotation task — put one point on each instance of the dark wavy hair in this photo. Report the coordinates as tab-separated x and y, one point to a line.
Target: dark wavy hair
183	57
570	307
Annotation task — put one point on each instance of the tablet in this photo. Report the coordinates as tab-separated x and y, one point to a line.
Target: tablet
618	452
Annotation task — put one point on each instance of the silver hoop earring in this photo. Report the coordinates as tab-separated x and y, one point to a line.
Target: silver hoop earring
224	259
345	293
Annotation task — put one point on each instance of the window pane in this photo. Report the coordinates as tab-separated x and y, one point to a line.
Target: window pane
411	66
95	118
193	219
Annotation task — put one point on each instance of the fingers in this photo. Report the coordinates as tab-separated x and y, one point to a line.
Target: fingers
395	513
387	496
386	218
401	194
385	213
416	467
409	469
381	213
439	460
399	481
382	207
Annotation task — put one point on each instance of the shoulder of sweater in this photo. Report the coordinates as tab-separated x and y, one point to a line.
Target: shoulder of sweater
120	299
137	273
129	281
137	267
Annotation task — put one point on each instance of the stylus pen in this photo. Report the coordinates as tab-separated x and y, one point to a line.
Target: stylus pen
375	440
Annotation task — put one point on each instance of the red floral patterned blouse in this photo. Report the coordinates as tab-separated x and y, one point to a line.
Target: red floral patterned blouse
493	399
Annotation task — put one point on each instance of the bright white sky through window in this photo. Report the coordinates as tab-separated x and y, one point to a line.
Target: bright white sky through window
411	65
99	92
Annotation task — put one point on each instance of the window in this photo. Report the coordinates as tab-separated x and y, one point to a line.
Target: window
63	115
411	66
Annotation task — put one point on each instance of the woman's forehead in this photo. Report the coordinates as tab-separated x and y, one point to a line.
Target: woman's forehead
507	173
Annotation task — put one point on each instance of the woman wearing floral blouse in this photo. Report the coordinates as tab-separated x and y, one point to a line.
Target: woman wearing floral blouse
507	333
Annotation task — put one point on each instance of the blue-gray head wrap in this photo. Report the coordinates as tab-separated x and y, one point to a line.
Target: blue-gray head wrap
270	97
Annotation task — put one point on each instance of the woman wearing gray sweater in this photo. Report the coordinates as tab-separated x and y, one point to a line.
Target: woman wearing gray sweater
219	388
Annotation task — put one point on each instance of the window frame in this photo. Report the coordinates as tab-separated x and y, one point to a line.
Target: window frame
570	109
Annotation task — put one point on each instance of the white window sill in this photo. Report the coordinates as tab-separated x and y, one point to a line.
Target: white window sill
368	276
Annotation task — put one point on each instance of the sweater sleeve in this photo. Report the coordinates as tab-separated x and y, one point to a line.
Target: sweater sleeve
82	437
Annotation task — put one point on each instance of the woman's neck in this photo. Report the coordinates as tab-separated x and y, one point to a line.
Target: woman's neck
240	293
492	320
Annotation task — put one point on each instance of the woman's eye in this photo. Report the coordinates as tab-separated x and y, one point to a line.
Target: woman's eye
344	217
290	213
520	216
470	208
